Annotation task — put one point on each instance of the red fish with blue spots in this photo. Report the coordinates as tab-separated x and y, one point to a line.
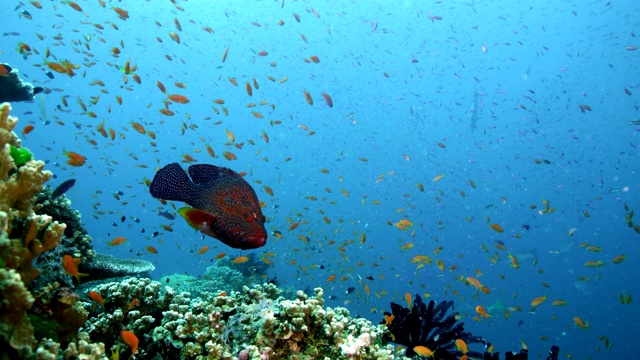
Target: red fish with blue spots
223	204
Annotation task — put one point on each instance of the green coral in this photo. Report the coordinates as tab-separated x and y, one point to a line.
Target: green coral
20	156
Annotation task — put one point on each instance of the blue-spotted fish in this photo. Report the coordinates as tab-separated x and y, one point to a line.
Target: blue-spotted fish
223	204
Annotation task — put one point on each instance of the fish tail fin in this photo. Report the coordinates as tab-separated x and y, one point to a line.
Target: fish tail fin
171	183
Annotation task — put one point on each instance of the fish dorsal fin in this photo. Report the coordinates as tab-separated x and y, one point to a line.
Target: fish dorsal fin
171	183
204	173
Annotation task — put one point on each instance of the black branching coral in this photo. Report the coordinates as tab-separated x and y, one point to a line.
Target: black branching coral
429	326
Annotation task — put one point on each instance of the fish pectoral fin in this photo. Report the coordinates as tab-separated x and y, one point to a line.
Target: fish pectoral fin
197	219
207	231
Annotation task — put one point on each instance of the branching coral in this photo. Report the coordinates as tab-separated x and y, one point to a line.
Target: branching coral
24	236
15	328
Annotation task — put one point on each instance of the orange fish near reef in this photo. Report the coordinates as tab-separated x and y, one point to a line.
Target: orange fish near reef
224	205
482	312
240	260
97	298
70	266
131	340
117	241
75	159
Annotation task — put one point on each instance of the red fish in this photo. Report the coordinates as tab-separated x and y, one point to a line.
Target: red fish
223	204
70	265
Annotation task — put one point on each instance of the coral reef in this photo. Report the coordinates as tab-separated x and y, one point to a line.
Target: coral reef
26	235
15	328
82	348
256	321
428	325
78	243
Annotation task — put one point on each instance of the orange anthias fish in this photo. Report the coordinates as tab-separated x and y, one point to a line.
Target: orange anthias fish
75	159
117	241
224	205
462	346
424	351
482	312
97	298
70	266
240	260
131	340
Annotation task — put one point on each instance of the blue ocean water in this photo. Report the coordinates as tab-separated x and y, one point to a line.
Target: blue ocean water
531	101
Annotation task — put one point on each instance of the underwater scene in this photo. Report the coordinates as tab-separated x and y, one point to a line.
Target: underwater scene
280	179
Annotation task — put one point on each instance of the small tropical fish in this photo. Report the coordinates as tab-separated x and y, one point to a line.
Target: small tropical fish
131	340
514	261
117	241
240	260
581	324
596	263
27	129
224	205
151	249
224	55
618	259
328	99
132	304
70	266
474	282
438	178
496	227
423	351
96	297
308	97
63	188
482	312
462	346
539	300
180	99
75	159
166	215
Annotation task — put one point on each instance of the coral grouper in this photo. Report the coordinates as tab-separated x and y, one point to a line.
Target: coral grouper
224	205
